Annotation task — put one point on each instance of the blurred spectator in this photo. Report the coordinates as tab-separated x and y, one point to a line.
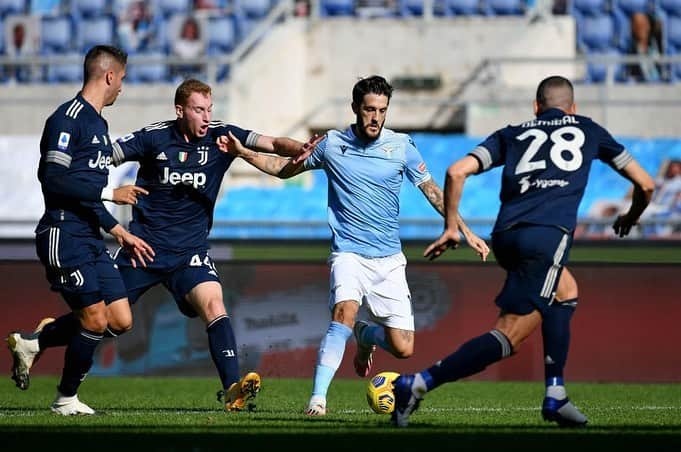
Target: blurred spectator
22	37
200	5
189	45
665	206
646	33
302	8
136	29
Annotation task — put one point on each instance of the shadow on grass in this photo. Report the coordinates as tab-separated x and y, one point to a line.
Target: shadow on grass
418	438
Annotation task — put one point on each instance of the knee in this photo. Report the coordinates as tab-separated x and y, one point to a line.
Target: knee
120	327
94	322
212	309
345	312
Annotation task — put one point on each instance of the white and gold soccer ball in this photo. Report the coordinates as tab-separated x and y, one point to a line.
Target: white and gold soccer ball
380	394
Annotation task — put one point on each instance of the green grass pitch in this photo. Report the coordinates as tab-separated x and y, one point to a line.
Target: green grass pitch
169	414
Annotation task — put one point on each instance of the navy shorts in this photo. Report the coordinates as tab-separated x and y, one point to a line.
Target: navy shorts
179	273
533	257
80	268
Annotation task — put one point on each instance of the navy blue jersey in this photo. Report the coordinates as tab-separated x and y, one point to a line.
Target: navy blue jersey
546	167
183	179
75	137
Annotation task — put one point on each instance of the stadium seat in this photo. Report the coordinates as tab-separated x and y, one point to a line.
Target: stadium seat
463	7
673	32
589	7
57	34
148	72
598	72
12	7
596	33
255	9
66	73
170	7
2	37
411	8
96	31
505	7
629	7
89	8
671	7
336	7
222	34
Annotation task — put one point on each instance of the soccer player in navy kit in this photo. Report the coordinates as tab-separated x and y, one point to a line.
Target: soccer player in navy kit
546	167
76	153
182	168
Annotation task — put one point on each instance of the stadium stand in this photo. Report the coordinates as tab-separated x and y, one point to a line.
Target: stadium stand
603	26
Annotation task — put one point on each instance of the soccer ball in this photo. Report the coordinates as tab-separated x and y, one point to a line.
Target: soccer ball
380	392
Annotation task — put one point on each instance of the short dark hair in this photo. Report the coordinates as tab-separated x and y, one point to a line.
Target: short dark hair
95	53
548	84
188	87
371	85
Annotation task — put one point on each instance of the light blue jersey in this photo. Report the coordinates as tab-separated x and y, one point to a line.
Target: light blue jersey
364	188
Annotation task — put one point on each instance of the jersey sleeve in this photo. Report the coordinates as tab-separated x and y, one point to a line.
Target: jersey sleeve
316	159
612	152
61	139
491	152
416	171
131	147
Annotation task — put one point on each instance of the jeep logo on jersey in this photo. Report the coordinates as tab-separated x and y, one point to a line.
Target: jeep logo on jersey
100	162
196	180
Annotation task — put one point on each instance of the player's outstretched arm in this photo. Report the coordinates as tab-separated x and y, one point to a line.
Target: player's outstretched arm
274	165
456	176
288	147
643	192
435	196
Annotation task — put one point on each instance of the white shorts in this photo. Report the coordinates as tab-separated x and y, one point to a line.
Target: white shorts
380	282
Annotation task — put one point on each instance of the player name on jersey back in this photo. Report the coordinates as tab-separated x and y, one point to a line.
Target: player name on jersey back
567	119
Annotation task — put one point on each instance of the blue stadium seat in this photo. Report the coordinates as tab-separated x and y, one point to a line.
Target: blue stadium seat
463	7
96	31
66	73
148	72
170	7
629	7
598	72
671	7
589	7
506	7
336	7
12	7
2	37
673	32
255	9
411	8
596	33
222	34
89	8
57	34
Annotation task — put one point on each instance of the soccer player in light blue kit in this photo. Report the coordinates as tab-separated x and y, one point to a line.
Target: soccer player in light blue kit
365	165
